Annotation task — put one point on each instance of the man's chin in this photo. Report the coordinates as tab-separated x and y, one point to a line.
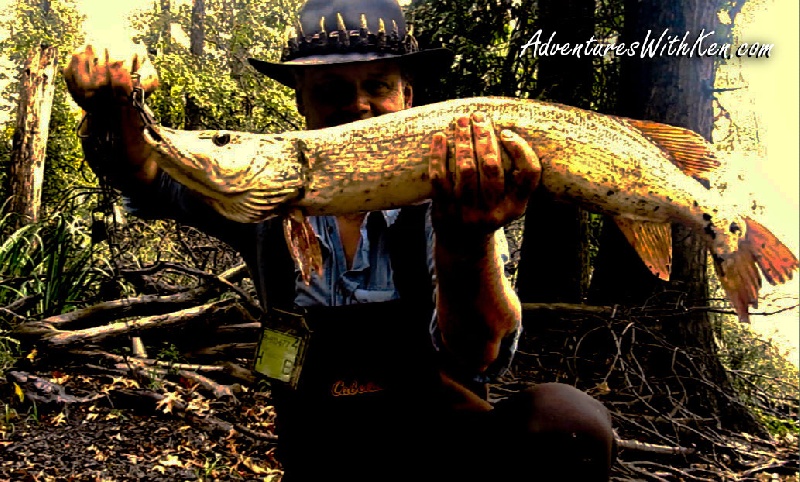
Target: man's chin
345	120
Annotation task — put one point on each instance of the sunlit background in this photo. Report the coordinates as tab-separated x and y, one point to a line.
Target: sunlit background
768	98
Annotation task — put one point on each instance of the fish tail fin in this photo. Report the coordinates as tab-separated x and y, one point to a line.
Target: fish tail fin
738	273
776	261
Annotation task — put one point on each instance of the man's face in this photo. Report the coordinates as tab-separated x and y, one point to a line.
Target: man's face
331	95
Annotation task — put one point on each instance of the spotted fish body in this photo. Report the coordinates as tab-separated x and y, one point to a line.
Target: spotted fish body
644	174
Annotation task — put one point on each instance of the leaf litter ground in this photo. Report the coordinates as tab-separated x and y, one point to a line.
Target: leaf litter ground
117	427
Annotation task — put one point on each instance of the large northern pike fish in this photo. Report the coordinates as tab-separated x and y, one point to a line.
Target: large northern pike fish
644	174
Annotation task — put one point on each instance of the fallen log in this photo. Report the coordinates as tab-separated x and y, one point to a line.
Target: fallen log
24	304
217	390
224	351
575	308
232	370
209	315
247	300
45	393
146	305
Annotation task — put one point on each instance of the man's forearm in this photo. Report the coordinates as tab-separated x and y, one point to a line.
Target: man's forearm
476	305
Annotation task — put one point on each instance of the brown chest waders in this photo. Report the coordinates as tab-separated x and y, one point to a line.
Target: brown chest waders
366	368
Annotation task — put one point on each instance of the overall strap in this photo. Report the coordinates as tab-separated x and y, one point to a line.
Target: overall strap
408	248
275	267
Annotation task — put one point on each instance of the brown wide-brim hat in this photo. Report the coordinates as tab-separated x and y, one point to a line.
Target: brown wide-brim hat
326	35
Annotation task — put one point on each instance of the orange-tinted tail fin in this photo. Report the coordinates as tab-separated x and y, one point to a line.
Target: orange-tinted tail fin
773	257
738	273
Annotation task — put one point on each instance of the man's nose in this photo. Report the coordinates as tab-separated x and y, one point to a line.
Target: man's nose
359	101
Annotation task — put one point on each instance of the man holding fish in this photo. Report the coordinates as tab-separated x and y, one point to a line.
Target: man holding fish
409	309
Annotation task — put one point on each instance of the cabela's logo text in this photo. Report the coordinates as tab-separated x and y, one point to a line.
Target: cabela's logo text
341	388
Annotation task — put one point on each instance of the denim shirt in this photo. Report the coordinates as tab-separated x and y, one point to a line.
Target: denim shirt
369	280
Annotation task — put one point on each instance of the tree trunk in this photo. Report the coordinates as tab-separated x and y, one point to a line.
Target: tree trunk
549	270
677	90
30	137
166	26
197	35
197	39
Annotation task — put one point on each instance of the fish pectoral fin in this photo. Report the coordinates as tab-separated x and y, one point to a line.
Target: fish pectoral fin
652	242
688	150
303	244
251	206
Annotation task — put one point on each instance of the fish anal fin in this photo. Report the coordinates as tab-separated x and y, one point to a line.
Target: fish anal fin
652	242
739	278
688	150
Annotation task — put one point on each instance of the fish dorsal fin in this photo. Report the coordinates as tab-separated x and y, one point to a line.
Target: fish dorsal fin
688	150
652	242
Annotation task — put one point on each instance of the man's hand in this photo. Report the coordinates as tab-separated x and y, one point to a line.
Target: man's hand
484	184
101	82
481	186
99	79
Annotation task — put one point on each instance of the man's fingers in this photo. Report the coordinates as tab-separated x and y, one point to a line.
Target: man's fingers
465	174
148	76
140	64
94	75
487	155
526	163
527	167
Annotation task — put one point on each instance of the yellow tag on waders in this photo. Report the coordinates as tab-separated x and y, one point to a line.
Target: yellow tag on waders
282	346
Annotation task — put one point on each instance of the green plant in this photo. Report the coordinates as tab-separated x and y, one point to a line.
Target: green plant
7	424
210	467
51	257
51	260
9	352
33	413
779	426
762	374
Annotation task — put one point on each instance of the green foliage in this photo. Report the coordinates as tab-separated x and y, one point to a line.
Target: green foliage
487	37
762	375
51	258
9	352
226	92
30	26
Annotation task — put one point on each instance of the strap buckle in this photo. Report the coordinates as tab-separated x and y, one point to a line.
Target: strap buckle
137	101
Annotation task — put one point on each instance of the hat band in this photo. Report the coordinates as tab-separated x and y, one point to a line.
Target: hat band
348	41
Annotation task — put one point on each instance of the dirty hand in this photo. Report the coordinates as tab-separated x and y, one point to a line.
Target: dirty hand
99	78
485	182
